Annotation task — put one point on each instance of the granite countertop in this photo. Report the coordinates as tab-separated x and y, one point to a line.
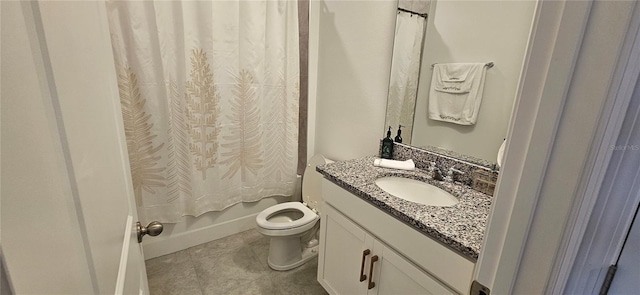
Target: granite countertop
460	226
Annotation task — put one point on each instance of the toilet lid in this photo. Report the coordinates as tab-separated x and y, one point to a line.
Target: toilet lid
311	182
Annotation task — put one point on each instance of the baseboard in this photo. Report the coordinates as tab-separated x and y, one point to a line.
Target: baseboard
198	236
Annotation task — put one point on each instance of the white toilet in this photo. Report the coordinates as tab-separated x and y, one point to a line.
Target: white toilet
287	222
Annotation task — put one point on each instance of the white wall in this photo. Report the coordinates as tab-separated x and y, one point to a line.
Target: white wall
475	31
349	75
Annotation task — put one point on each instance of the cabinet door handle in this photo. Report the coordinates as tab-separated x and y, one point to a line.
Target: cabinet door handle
373	260
363	276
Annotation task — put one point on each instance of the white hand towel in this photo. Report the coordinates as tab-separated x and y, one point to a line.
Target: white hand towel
453	78
402	165
456	92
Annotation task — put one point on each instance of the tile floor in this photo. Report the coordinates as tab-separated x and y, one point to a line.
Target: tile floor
236	264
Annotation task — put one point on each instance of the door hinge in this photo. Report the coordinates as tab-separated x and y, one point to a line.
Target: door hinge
608	279
479	289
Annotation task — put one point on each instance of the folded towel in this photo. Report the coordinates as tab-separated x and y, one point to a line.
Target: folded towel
456	92
453	78
402	165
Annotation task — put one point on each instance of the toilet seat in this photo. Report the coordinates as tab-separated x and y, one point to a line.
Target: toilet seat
308	216
285	230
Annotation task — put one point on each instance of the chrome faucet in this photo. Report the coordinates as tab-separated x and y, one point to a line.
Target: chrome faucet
450	174
434	172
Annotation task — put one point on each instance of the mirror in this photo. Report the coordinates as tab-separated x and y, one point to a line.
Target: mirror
411	23
460	32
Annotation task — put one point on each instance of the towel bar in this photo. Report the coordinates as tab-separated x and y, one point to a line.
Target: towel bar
488	65
412	12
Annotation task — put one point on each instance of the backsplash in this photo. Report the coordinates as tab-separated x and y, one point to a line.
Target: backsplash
484	177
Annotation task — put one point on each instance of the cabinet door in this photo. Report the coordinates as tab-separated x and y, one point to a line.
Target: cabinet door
393	274
342	244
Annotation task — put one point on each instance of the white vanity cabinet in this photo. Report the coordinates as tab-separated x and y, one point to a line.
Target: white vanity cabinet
393	274
352	261
343	253
364	251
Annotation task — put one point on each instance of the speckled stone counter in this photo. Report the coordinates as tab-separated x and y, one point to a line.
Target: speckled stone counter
460	226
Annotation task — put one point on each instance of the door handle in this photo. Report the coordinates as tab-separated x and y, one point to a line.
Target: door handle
153	229
371	283
365	253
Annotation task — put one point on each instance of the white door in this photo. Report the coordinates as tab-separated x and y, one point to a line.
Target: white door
67	212
627	277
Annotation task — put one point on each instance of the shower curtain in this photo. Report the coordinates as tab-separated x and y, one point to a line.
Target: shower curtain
405	71
209	93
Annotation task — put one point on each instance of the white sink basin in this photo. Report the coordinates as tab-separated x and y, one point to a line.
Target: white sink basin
416	191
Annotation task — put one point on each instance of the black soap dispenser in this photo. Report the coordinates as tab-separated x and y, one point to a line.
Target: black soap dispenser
387	146
399	137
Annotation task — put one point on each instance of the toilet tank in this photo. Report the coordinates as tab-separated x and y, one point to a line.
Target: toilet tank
311	182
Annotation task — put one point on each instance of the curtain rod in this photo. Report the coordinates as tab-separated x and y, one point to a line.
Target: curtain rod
488	65
412	12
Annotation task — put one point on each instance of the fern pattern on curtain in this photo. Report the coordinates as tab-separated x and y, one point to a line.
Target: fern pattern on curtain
209	93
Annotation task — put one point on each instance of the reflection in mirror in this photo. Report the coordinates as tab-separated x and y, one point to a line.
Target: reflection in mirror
411	22
476	31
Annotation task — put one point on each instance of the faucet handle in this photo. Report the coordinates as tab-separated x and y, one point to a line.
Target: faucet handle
454	170
451	172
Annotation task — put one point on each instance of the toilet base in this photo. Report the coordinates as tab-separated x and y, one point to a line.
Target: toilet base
286	253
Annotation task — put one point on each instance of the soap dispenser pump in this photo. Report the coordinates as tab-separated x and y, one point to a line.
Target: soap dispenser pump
387	146
399	137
